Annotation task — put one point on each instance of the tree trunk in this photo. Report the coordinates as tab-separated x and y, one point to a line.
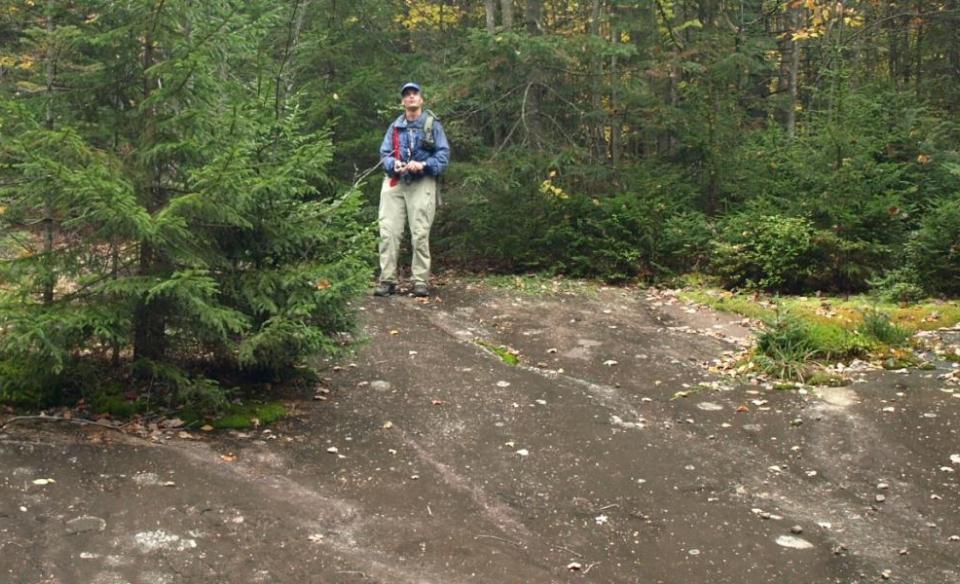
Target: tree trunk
506	13
149	317
490	8
793	77
49	277
534	16
952	25
534	97
614	96
918	50
284	81
598	146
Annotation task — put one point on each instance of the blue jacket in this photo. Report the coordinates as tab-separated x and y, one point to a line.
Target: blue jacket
412	147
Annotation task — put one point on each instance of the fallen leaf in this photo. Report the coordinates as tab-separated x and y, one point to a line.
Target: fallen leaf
394	332
207	428
743	409
228	457
43	482
387	425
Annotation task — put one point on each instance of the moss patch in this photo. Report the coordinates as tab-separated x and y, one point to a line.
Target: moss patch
829	329
240	415
506	354
540	285
828	379
846	312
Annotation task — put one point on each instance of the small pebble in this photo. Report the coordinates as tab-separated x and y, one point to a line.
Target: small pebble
796	529
880	498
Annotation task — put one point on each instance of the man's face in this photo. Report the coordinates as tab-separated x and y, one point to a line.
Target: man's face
412	99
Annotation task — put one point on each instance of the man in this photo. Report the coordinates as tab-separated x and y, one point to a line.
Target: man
414	152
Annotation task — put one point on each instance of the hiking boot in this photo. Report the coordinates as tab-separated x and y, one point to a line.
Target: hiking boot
385	289
420	290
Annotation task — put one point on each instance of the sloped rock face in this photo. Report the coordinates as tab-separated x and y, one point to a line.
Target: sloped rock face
609	453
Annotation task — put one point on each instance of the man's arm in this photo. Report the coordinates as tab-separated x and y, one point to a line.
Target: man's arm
438	162
386	152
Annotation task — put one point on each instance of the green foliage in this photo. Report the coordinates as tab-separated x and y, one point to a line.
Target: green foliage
785	348
835	342
788	346
167	217
765	251
934	249
511	227
900	285
878	326
28	383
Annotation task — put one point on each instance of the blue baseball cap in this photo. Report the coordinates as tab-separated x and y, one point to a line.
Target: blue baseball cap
410	85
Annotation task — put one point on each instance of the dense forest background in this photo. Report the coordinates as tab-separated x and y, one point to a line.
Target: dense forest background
186	187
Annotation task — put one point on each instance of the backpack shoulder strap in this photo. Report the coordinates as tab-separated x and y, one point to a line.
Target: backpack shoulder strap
428	121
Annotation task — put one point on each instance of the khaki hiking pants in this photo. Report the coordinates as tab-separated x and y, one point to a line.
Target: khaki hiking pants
415	202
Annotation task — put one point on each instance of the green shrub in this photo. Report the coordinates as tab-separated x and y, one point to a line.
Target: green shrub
787	346
877	325
900	285
28	383
934	249
784	348
684	242
766	251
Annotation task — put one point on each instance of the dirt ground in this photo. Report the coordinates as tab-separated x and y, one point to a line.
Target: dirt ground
610	454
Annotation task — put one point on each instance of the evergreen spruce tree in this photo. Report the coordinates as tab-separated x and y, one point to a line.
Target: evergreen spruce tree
160	205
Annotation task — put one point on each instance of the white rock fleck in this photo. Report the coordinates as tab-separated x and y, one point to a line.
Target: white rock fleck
794	542
150	541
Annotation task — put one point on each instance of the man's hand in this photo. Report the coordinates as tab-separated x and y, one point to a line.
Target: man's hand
414	167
